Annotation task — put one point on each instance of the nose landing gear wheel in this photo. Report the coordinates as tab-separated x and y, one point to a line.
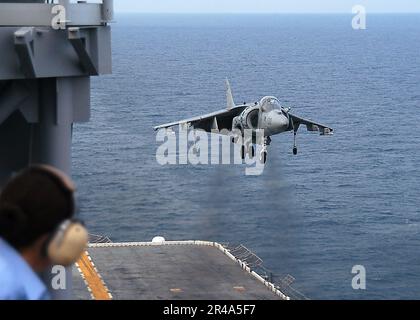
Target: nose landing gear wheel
295	151
242	152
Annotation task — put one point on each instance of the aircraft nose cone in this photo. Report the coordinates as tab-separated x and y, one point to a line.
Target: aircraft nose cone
279	122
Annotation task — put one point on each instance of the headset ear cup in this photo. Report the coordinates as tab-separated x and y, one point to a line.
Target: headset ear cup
13	222
66	249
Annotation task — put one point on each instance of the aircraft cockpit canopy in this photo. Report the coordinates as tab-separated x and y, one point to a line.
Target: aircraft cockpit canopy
270	103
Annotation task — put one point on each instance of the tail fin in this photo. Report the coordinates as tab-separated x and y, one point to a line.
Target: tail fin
229	96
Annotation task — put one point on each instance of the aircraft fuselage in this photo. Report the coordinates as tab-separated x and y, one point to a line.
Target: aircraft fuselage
266	115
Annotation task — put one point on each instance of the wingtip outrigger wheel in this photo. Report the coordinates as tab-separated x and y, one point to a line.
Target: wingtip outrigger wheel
295	150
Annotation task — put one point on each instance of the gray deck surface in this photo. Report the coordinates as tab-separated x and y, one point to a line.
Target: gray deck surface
80	291
153	272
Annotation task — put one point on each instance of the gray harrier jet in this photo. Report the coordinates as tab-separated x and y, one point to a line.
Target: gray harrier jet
267	115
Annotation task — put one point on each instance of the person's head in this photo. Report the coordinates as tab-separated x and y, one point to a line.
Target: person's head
34	205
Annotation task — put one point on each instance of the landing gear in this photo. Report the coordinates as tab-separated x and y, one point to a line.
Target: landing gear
264	152
263	157
251	151
243	152
295	149
248	148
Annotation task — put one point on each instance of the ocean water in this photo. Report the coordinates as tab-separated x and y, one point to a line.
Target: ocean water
350	199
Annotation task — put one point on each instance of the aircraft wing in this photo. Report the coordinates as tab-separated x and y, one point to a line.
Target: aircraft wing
310	125
221	119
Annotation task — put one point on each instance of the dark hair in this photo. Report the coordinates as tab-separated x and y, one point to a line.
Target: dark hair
32	204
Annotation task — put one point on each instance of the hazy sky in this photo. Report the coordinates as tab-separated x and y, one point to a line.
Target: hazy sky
264	6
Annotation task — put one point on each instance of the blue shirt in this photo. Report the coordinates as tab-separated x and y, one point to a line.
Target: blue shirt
17	279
